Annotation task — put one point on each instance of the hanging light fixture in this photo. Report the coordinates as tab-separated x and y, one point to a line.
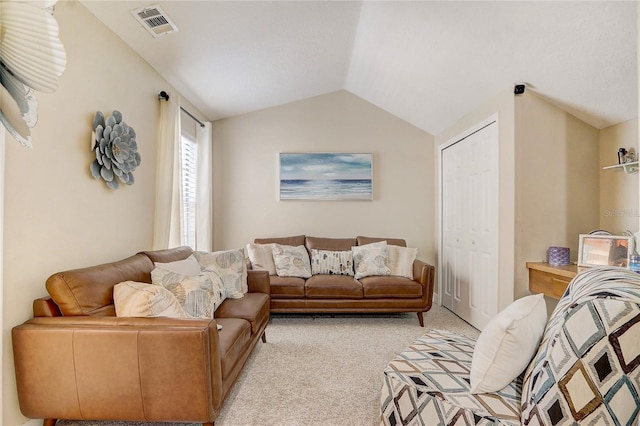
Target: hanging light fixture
32	58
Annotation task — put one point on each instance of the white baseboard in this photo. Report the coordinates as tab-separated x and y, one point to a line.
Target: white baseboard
33	422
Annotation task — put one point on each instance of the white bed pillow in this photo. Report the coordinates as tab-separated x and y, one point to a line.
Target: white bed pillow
507	344
400	260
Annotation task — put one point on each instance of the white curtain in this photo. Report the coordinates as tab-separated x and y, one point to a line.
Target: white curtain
2	339
166	226
204	213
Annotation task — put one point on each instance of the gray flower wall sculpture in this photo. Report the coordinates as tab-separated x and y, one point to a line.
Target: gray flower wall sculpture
114	143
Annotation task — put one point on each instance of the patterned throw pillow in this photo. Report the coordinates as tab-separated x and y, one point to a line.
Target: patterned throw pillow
199	295
291	261
261	257
331	262
370	259
231	266
134	299
400	260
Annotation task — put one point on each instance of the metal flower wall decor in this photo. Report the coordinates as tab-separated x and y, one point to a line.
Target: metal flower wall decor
32	58
117	156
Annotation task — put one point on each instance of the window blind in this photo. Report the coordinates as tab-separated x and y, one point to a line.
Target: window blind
188	177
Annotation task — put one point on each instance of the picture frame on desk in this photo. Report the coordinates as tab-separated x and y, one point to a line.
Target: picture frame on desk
604	250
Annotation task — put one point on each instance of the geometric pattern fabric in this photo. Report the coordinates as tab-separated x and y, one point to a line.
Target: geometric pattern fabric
428	384
587	368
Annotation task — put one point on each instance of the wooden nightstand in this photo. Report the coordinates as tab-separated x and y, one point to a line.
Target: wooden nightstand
550	280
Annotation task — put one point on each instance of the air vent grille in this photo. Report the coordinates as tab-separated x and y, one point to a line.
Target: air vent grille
154	20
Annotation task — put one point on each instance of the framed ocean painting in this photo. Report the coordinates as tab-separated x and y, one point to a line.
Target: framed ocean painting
326	176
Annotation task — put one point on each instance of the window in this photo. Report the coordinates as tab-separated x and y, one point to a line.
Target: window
188	185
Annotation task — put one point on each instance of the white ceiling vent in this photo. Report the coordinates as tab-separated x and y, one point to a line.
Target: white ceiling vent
154	20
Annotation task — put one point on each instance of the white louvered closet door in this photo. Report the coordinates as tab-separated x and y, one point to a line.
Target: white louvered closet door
469	226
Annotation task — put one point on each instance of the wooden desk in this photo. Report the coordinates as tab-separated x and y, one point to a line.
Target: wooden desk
550	280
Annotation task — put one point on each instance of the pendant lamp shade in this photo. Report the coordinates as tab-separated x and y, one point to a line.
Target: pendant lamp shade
31	58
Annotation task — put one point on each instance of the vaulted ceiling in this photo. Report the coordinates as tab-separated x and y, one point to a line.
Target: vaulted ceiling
427	62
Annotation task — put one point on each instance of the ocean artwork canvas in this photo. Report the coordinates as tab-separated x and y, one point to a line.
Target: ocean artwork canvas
326	176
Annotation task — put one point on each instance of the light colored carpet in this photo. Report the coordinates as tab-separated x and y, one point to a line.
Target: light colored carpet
319	369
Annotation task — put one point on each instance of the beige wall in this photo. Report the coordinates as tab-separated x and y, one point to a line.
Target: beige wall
503	105
556	183
56	215
246	152
618	190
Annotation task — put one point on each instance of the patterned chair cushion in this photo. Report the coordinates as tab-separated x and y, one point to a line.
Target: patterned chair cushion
587	368
428	384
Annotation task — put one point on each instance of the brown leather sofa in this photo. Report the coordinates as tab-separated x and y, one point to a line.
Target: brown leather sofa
77	360
345	294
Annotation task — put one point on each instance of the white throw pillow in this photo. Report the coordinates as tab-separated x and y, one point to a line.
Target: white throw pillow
231	266
370	259
400	260
188	266
134	299
261	257
291	261
507	344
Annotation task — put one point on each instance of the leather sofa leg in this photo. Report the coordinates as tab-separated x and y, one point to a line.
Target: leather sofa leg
49	422
264	336
208	424
420	319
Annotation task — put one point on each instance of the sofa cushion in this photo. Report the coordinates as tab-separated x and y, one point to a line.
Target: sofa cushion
234	337
295	241
287	287
370	259
231	266
253	307
331	262
400	260
333	244
377	287
261	257
133	299
361	241
291	261
333	287
507	344
89	291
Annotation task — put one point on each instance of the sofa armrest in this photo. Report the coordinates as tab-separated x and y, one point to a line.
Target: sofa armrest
258	282
145	369
425	275
45	307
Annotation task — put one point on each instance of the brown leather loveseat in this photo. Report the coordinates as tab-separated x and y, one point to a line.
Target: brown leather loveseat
344	294
76	360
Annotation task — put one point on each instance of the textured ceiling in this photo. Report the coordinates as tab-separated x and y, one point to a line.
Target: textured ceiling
426	62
